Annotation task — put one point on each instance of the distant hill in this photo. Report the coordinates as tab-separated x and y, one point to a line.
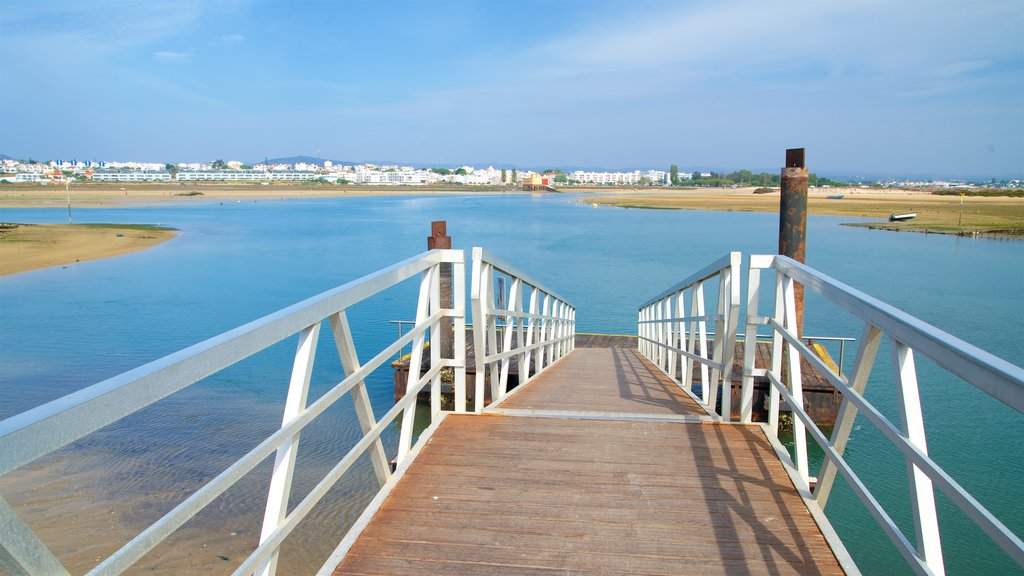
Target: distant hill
302	160
6	157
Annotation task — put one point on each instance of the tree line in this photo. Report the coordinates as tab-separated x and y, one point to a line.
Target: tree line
742	178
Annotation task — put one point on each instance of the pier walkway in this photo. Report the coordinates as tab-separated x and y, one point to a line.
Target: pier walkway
601	465
550	454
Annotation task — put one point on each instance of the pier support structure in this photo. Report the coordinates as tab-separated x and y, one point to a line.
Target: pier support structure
440	240
793	219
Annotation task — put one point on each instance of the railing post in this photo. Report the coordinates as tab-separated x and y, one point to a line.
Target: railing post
21	551
531	332
697	308
750	342
415	362
510	330
284	460
776	369
360	397
437	331
478	291
459	301
862	365
795	381
922	495
490	305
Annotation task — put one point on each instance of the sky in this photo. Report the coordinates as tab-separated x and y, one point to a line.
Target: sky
872	87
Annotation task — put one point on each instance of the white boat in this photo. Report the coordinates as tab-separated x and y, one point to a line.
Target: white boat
901	217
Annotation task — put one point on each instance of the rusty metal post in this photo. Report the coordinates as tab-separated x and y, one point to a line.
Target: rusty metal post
440	240
793	219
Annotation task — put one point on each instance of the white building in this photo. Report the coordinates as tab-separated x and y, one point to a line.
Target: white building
634	178
132	176
245	175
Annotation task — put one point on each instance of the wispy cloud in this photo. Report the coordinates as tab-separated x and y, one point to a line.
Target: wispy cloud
172	57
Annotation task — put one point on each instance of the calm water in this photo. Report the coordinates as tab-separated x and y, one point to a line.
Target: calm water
62	329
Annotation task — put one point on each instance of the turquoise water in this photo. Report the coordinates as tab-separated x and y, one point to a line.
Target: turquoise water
64	328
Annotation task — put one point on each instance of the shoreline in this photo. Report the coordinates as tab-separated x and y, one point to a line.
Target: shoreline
27	247
114	195
937	214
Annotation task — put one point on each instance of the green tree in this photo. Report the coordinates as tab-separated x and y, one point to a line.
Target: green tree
673	175
460	171
515	176
218	164
561	178
504	176
441	171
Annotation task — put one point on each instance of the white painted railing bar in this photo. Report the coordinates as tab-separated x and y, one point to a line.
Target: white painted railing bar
995	529
277	537
709	271
923	473
525	348
140	387
704	318
876	510
997	377
664	327
41	430
511	270
697	357
546	330
162	528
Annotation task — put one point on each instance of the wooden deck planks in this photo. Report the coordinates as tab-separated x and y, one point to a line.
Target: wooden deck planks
604	380
512	495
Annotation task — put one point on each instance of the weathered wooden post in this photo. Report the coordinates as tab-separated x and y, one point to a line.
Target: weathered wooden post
793	219
440	240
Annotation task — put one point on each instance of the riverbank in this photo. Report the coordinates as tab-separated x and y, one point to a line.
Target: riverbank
111	195
25	247
1002	216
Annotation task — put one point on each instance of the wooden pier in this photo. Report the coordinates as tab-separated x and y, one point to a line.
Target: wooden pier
600	465
820	397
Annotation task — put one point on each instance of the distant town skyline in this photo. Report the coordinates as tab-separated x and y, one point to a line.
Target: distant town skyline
924	87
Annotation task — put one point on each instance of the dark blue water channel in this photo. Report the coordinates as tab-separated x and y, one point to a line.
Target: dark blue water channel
64	328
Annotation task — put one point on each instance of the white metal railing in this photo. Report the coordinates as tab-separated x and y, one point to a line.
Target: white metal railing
37	432
675	340
906	335
538	335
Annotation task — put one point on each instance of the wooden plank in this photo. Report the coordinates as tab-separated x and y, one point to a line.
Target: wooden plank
604	379
511	495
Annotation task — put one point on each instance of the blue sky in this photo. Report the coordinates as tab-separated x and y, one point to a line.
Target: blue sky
872	86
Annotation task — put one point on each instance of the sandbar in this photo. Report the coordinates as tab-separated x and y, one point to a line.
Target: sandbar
1002	216
110	195
25	247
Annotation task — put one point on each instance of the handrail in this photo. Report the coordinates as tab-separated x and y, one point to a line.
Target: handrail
42	430
906	334
544	333
664	328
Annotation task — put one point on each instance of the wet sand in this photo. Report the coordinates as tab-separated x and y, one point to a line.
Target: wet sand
26	247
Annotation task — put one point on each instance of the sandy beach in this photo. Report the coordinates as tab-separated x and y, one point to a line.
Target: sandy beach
26	247
110	195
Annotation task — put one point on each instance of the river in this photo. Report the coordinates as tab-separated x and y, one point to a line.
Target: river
64	328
